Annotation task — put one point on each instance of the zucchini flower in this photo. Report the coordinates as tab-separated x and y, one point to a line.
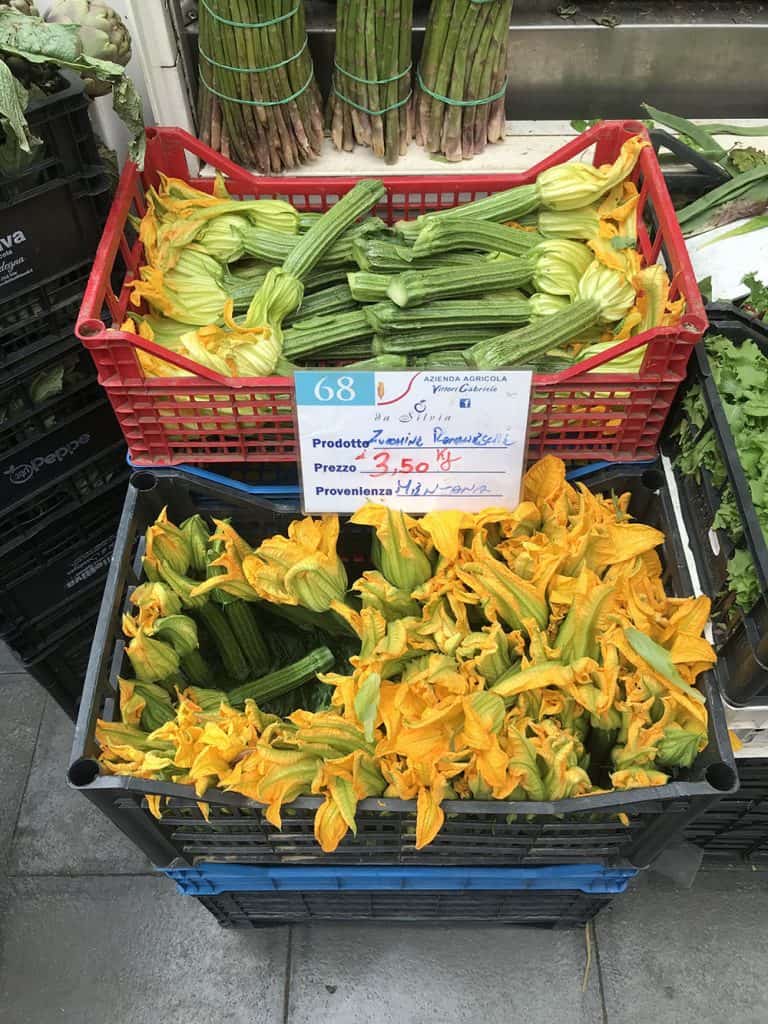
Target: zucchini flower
152	660
559	266
487	653
300	569
154	600
446	530
571	186
195	529
503	594
545	304
394	550
378	593
561	751
638	778
180	631
609	289
168	544
144	704
192	292
233	350
581	224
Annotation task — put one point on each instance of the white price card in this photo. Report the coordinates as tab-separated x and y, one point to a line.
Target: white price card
414	440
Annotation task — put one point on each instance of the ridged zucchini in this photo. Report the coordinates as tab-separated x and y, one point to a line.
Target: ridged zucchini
241	618
518	348
415	287
283	680
232	657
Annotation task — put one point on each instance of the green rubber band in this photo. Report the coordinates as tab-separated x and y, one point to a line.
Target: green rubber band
251	71
251	24
460	103
374	81
367	110
257	103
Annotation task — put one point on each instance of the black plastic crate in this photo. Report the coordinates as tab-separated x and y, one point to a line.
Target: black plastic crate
741	637
68	146
60	667
33	636
83	430
47	568
735	829
55	225
587	829
693	174
551	910
89	470
34	320
47	391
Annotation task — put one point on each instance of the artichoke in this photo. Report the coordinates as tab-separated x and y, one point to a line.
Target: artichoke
26	7
102	34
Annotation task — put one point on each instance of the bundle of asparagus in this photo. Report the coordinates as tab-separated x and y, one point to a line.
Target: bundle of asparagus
462	77
369	102
259	102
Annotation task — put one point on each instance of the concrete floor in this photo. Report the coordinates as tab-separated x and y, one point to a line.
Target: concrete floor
89	934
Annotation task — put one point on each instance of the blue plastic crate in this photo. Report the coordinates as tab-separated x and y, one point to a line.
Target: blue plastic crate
213	878
249	896
276	483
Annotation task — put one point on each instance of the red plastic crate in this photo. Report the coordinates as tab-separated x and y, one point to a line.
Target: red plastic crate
574	414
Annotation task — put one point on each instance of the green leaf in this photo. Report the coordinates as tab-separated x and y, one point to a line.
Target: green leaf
693	133
622	243
661	662
367	703
752	131
755	224
705	287
38	40
127	105
10	107
745	158
742	196
758	293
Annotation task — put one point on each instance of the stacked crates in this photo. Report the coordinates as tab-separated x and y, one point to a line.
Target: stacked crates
62	468
548	863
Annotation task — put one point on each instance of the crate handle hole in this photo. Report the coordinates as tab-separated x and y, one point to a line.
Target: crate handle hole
721	776
653	479
90	328
83	771
144	481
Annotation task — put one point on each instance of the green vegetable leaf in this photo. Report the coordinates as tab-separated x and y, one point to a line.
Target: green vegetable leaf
742	196
660	661
127	105
755	224
38	40
705	287
11	108
692	133
758	294
745	158
742	579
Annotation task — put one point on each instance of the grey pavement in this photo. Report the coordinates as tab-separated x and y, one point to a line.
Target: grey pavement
89	933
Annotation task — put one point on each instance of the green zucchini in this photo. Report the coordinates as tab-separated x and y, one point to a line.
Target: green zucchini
283	680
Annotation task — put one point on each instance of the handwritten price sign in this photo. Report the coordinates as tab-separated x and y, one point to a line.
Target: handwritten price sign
417	441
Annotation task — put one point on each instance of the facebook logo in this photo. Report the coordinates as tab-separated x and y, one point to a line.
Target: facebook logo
464	403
